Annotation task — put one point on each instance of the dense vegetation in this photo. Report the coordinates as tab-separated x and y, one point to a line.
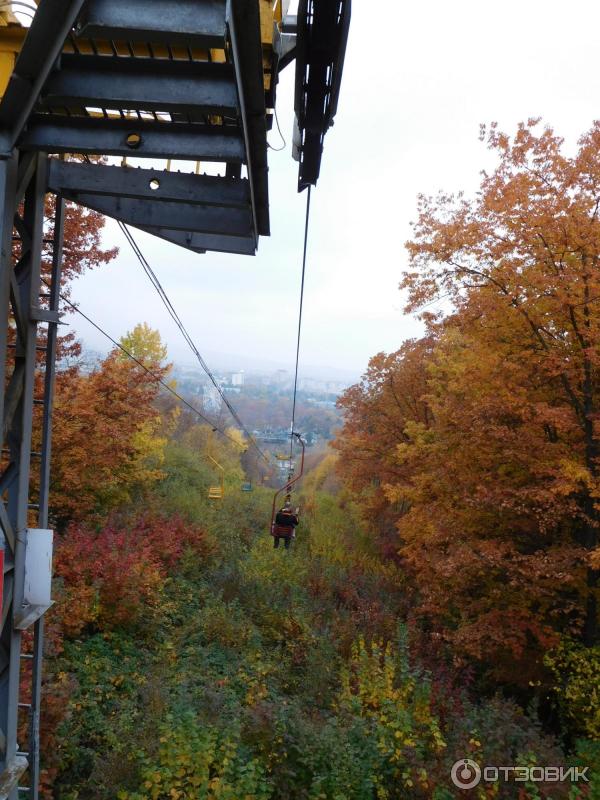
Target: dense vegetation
193	660
441	600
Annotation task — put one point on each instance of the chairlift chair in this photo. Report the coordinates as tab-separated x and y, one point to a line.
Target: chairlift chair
217	492
290	483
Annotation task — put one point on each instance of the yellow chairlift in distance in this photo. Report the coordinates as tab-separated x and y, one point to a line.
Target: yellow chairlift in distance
217	492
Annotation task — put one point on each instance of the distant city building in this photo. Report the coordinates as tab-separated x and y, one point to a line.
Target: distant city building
237	379
287	467
322	403
324	387
211	399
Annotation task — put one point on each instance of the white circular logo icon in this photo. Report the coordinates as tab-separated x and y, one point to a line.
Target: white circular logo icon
466	774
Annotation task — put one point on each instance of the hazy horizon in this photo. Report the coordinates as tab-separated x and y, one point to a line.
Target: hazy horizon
231	363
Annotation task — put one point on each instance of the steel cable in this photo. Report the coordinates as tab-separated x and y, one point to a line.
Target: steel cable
306	224
188	339
148	371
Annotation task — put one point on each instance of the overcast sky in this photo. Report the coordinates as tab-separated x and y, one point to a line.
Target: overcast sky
420	77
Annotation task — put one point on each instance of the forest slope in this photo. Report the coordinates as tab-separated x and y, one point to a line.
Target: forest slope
194	661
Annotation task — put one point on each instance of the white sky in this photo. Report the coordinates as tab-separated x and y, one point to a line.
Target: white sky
420	77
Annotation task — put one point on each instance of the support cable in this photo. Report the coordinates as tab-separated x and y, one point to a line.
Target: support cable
300	325
148	371
177	320
152	277
282	137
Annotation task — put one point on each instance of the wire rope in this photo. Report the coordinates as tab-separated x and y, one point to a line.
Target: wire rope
152	277
177	320
300	313
148	371
282	137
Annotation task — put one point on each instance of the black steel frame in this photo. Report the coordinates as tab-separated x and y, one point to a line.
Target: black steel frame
227	213
26	306
322	30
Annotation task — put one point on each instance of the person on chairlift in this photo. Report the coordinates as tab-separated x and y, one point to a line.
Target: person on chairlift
286	522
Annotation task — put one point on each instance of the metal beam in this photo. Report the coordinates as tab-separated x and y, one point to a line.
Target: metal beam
178	216
321	46
17	434
289	24
199	23
284	51
157	140
10	777
142	84
201	242
149	184
243	20
42	46
8	188
44	492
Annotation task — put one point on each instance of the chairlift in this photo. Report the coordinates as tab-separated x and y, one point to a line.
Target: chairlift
217	492
291	482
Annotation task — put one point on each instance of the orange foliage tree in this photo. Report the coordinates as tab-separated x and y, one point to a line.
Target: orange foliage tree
82	251
499	485
377	411
107	438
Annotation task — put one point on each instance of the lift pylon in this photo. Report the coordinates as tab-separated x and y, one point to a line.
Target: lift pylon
139	83
32	317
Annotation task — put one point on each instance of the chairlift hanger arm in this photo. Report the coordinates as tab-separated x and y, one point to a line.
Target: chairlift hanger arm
216	492
216	463
290	483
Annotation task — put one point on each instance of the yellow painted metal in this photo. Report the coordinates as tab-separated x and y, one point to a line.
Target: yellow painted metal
12	37
270	13
7	64
267	20
7	17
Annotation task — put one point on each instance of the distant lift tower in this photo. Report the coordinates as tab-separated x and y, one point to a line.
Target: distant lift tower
142	83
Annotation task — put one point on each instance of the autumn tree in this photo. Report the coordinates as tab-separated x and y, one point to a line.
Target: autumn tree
520	264
493	484
107	440
145	344
376	413
83	250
